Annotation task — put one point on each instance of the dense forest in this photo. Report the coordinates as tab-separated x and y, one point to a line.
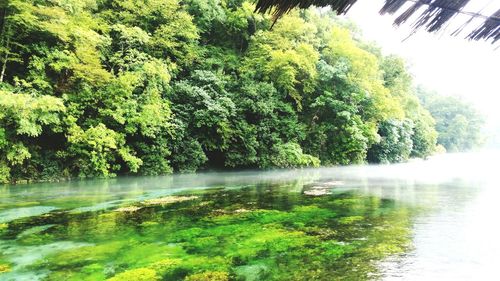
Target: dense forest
95	88
458	123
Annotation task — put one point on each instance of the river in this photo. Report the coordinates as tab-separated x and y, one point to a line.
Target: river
422	220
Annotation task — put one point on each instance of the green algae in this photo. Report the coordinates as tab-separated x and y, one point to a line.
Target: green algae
19	204
24	212
209	276
162	201
260	232
140	274
72	202
4	268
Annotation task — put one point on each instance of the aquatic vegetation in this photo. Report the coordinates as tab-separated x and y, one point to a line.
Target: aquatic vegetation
71	202
19	204
17	213
350	220
128	209
208	276
317	192
168	200
4	268
260	232
34	230
140	274
166	266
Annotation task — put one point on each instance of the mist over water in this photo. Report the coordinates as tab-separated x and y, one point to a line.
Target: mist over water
448	205
458	238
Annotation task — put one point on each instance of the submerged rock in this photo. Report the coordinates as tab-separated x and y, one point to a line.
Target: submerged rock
154	202
168	200
321	188
230	212
128	209
317	192
333	183
317	187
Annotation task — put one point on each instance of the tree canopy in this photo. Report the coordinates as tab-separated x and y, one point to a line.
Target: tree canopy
458	123
100	88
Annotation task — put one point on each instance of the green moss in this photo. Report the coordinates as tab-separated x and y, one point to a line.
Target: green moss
209	276
91	272
142	254
350	219
280	236
201	263
19	204
74	201
4	268
162	201
83	256
36	239
166	266
253	272
140	274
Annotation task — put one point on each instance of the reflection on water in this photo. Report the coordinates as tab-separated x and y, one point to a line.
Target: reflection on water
458	239
416	221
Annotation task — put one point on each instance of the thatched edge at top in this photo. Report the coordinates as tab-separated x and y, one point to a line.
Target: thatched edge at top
432	15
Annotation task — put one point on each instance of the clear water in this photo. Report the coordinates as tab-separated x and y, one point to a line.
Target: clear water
424	220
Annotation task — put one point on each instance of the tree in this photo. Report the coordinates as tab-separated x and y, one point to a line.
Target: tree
395	143
100	88
286	57
24	122
458	123
399	82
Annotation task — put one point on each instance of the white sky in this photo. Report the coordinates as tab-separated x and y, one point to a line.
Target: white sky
449	65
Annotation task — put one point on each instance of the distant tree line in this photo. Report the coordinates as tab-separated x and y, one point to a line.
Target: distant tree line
458	123
98	88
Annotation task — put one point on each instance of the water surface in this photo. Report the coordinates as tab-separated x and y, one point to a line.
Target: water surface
424	220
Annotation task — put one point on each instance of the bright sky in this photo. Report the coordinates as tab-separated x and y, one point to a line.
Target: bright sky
449	65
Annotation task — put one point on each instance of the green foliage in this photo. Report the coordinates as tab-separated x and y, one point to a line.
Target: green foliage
163	28
285	56
25	115
424	135
97	149
209	276
140	274
204	107
458	123
395	143
25	119
98	88
290	155
398	81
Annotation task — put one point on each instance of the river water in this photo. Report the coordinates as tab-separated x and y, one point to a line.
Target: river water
422	220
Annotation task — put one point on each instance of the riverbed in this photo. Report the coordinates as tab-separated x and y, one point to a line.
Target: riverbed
422	220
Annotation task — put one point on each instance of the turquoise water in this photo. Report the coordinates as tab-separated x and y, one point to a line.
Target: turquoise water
395	222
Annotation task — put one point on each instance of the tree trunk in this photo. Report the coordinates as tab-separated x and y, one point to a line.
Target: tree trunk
5	37
4	66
